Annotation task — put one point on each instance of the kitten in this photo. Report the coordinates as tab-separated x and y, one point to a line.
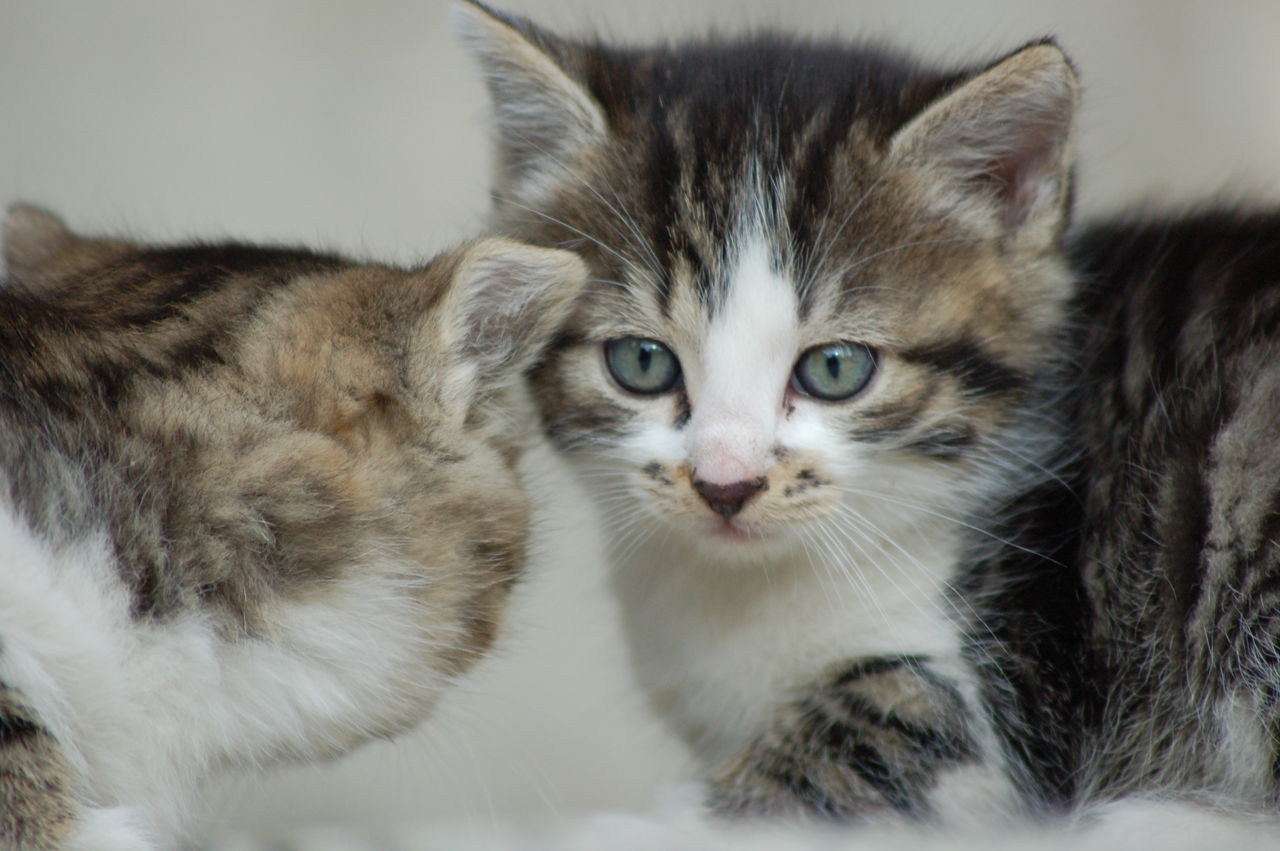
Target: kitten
829	386
256	504
827	288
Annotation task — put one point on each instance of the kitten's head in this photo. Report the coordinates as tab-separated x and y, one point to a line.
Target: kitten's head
824	278
287	421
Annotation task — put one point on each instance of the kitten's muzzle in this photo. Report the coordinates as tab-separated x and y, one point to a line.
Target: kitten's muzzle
728	500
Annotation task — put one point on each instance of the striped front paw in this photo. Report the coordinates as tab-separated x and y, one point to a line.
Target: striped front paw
871	739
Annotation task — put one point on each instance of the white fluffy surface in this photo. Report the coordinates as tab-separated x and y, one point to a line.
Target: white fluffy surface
1132	825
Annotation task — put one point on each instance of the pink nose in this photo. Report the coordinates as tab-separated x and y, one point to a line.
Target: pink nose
728	500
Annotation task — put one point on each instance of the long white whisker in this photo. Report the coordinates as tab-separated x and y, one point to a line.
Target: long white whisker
916	506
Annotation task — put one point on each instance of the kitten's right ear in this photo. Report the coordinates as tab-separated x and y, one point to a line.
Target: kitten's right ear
33	238
996	148
544	113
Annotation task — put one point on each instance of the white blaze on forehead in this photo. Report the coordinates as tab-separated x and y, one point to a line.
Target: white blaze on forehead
746	360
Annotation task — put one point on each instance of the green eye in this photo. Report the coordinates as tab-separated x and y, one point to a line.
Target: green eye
641	365
834	371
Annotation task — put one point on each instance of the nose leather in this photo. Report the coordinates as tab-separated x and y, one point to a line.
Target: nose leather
728	500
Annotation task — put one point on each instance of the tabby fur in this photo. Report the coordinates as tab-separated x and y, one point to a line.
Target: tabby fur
256	504
1030	566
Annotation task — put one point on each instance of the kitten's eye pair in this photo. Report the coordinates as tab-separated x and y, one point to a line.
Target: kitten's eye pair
831	372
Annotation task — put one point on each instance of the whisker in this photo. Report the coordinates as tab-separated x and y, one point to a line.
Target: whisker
593	240
917	506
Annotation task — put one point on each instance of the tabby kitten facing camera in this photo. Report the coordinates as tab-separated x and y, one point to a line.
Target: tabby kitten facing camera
830	384
258	505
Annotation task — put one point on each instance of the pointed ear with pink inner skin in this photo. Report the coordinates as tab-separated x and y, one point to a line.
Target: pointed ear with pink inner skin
995	150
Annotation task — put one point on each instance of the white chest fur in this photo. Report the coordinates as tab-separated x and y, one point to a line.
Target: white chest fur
719	646
144	712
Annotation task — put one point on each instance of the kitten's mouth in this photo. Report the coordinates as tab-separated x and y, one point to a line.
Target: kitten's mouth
730	531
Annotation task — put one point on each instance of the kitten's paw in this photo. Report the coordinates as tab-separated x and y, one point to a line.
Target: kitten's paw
790	785
112	829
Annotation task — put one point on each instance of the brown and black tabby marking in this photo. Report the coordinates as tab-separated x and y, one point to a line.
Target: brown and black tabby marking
1180	421
915	210
294	466
1109	401
37	795
872	735
1130	604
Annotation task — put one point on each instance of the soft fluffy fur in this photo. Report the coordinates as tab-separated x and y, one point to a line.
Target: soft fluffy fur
1029	565
257	504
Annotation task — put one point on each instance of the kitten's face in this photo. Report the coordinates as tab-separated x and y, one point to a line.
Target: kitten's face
823	281
772	391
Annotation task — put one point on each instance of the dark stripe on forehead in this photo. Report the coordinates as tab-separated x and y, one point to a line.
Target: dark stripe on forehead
710	285
813	196
661	180
981	374
684	248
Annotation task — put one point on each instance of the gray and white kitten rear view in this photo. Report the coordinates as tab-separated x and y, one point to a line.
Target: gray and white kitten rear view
921	504
256	505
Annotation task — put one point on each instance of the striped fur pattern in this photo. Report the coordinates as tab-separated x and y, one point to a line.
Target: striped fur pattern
1129	604
1181	417
843	751
740	202
256	504
1032	564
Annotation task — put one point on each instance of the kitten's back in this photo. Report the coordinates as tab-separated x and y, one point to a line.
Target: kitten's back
258	504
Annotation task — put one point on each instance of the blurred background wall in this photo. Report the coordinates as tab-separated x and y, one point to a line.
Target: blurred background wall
362	126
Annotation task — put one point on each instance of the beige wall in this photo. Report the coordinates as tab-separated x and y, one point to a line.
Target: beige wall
360	125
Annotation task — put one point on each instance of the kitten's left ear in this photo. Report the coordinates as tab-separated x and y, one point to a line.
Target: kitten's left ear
507	300
543	109
996	149
33	238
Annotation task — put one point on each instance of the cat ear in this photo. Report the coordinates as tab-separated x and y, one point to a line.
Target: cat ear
32	239
507	300
544	114
1000	142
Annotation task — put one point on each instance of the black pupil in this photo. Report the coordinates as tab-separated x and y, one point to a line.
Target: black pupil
645	356
833	364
